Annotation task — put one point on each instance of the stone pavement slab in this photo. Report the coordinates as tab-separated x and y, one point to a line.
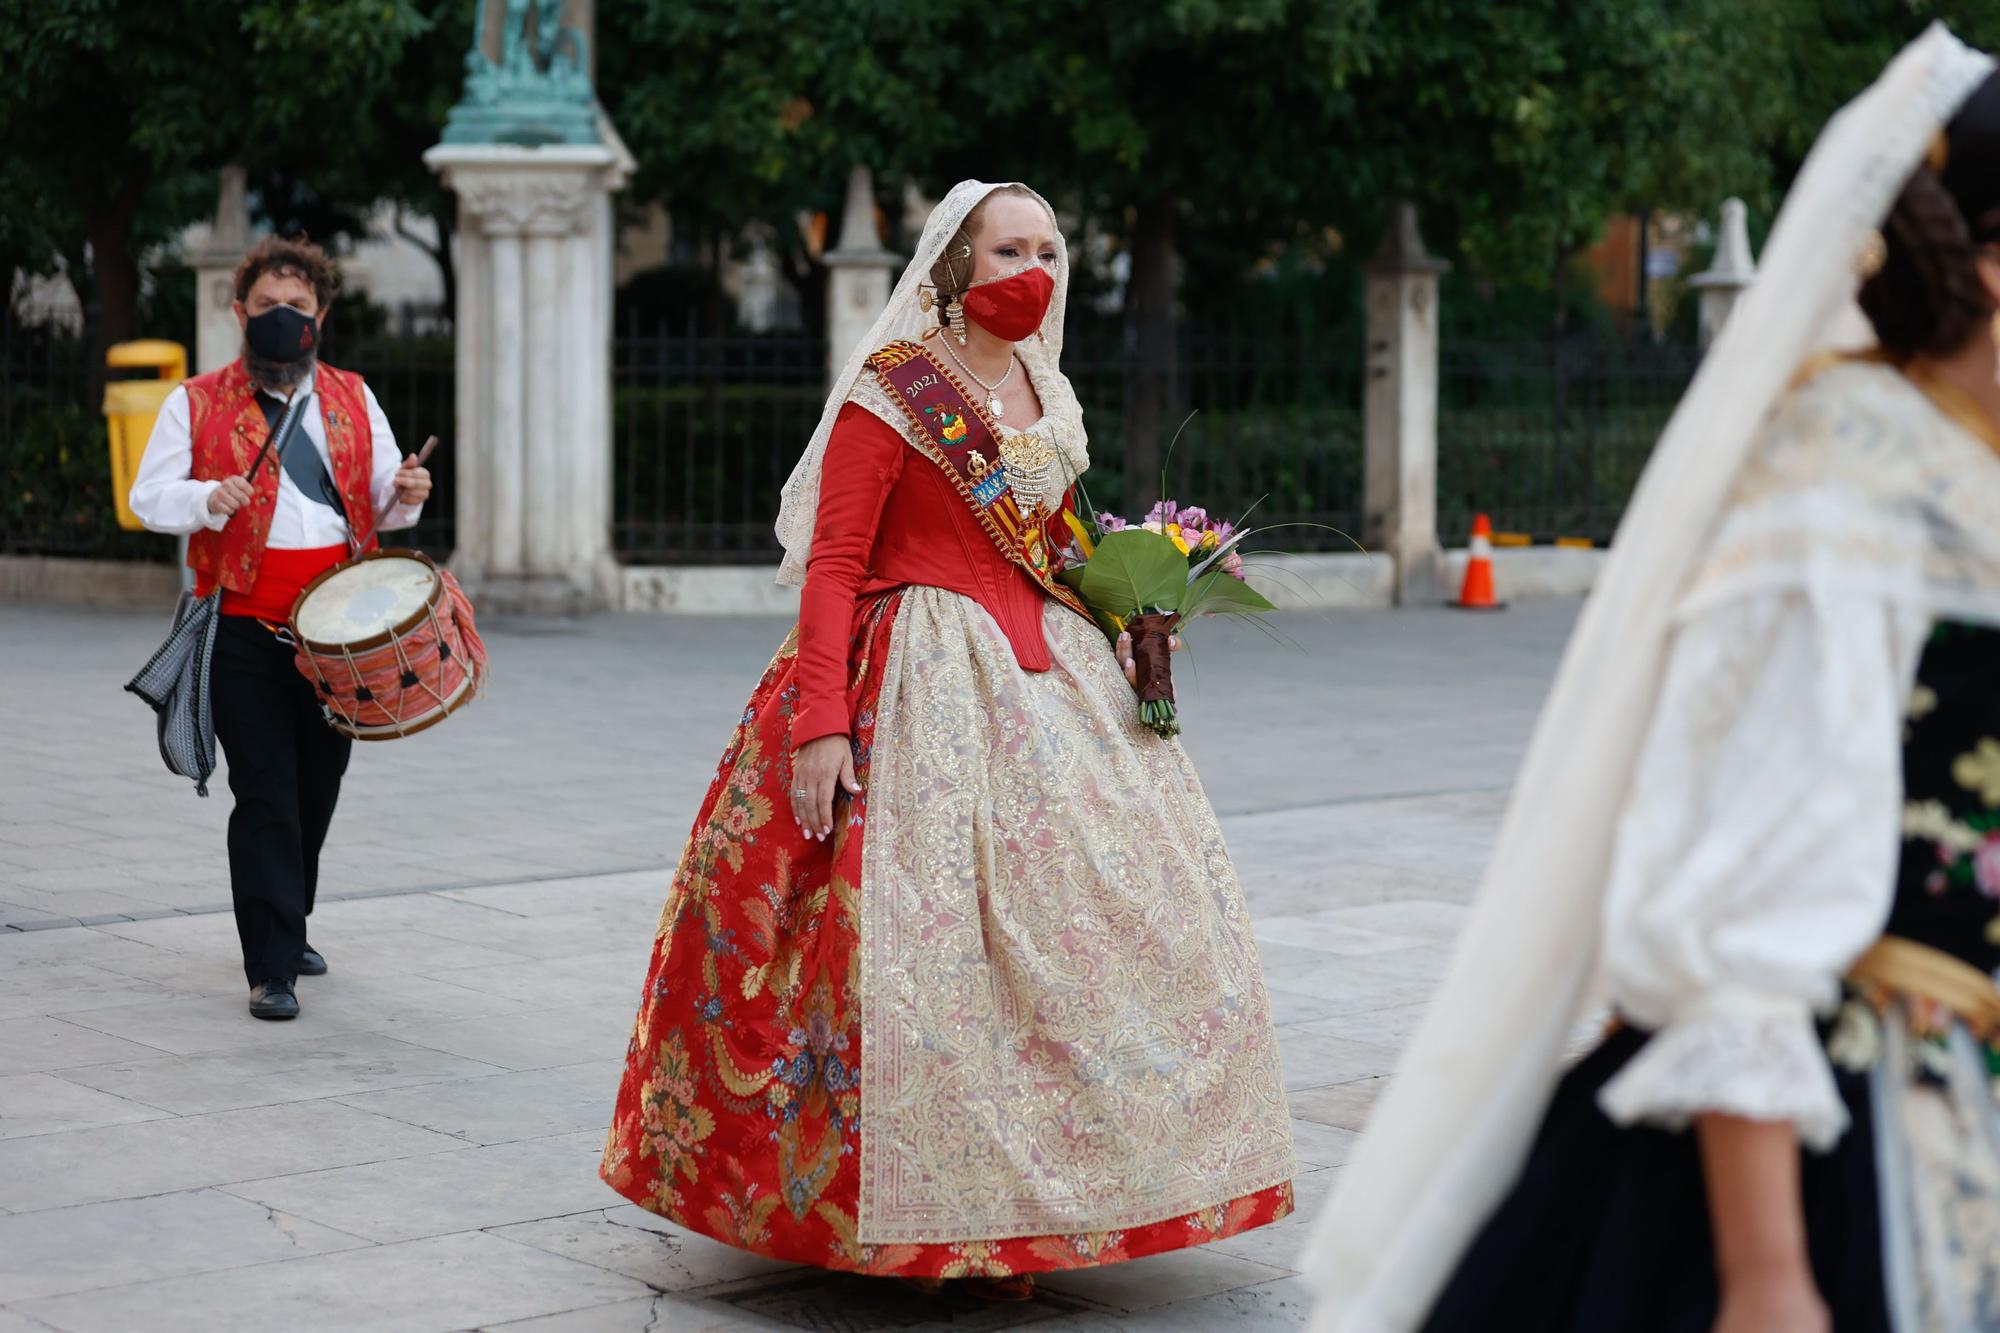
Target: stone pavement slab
456	1281
56	1251
418	1151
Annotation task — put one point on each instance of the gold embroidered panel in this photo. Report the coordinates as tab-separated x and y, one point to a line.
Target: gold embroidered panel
1064	1024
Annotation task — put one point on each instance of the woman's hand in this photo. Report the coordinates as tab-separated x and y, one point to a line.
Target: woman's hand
819	769
230	495
1129	664
1776	1301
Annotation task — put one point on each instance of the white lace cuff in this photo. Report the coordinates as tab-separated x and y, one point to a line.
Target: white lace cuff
1760	1066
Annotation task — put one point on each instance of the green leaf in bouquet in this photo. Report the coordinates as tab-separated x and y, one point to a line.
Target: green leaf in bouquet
1218	593
1134	570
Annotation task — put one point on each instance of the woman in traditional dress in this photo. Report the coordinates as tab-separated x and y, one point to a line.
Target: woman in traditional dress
1765	797
955	977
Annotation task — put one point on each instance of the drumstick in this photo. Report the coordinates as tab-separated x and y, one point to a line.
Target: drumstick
417	460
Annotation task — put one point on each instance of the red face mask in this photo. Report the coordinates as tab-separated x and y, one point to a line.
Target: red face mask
1012	307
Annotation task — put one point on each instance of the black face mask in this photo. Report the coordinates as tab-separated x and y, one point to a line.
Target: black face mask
282	334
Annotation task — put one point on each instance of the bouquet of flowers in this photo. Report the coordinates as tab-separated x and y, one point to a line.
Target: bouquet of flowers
1147	578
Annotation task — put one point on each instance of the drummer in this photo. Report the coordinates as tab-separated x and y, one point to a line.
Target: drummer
262	543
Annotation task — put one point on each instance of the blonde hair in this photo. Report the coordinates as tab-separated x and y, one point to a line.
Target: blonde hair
952	273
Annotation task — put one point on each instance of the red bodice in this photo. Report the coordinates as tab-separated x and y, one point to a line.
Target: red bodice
888	517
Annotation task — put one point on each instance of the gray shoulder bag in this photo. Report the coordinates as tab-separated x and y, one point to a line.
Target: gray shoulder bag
174	680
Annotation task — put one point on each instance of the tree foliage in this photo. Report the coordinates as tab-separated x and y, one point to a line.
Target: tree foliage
116	113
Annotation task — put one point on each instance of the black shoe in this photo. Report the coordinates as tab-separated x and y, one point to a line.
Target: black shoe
311	964
274	999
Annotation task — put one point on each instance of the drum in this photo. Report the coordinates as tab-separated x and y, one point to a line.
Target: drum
388	642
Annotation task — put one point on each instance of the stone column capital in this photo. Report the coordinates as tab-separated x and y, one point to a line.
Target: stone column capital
539	205
508	191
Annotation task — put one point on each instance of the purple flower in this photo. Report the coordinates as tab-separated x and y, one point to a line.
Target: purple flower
1111	523
1194	519
1223	530
1163	513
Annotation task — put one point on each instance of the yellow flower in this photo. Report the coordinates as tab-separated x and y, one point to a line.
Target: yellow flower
1088	547
1209	541
1980	771
1173	531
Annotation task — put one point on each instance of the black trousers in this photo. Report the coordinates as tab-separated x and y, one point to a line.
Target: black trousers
285	766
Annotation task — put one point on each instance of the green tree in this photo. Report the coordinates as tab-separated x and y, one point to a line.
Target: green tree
1233	118
756	111
1829	50
115	113
1251	124
752	114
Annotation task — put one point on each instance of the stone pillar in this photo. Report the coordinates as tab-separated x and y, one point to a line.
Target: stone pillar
858	281
1728	274
1401	409
534	372
214	253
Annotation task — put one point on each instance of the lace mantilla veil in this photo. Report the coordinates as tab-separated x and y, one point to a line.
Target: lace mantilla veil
1443	1144
904	317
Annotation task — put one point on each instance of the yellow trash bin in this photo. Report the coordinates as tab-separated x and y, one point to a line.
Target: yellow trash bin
130	407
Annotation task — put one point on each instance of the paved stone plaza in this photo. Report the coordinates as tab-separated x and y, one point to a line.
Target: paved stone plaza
418	1151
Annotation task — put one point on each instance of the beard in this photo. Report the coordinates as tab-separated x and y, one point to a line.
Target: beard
282	376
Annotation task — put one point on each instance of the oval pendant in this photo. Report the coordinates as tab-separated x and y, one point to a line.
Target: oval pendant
993	406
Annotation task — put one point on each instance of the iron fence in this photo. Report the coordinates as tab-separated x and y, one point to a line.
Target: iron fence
55	453
1548	437
415	381
706	430
1264	423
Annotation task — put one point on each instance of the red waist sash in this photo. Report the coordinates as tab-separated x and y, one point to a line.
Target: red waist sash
281	577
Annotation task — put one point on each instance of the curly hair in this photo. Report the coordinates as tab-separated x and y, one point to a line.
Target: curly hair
1927	297
292	257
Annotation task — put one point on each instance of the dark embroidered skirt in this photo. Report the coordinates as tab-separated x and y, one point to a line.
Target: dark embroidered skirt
1608	1228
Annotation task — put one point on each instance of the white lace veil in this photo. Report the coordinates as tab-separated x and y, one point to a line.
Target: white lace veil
1449	1135
904	317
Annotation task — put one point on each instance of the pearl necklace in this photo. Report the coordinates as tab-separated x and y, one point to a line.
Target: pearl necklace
992	390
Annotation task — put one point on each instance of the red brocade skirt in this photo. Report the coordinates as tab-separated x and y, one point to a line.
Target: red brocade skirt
740	1108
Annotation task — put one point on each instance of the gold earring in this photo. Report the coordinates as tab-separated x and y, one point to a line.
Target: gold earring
1874	253
955	313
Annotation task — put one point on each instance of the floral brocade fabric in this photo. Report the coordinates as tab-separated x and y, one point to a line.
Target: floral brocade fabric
1937	1074
740	1113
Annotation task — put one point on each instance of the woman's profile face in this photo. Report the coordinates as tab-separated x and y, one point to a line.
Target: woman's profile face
1013	232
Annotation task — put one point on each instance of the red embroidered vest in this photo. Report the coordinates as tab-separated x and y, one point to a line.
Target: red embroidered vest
228	429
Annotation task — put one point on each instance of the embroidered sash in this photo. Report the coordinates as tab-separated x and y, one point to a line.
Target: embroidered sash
955	435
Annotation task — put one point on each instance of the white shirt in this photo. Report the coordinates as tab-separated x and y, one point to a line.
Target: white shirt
167	498
1756	859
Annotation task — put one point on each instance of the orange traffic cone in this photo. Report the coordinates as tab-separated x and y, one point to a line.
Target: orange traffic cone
1476	594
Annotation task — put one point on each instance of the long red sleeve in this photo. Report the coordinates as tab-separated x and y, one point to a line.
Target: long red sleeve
864	457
